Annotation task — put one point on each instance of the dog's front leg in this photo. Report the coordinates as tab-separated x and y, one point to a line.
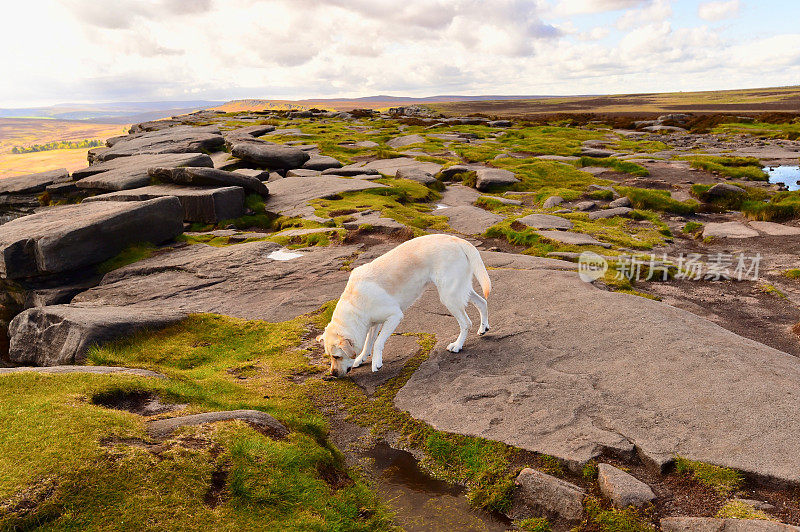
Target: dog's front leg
386	331
368	344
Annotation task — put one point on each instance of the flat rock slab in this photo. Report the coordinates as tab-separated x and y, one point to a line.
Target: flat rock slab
415	174
406	140
75	236
728	230
200	204
576	239
210	177
290	196
570	370
545	221
62	334
455	195
711	524
770	228
164	427
610	213
33	183
95	370
468	219
131	172
240	280
181	139
391	166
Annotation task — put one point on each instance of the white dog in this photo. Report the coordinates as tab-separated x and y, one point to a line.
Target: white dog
377	293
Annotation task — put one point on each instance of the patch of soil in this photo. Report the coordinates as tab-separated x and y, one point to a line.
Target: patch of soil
30	508
334	477
216	490
143	403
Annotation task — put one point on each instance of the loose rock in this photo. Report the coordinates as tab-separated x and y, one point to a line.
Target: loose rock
492	177
621	488
550	495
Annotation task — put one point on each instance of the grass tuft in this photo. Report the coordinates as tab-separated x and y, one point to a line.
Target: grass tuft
722	479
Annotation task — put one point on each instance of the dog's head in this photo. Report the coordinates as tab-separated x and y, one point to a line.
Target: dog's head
340	349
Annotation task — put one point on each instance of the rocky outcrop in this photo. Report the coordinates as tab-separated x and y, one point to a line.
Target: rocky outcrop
32	183
209	177
290	196
75	236
200	204
131	172
180	139
62	334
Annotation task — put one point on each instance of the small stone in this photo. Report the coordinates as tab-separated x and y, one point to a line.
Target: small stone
621	488
624	201
585	205
552	201
550	495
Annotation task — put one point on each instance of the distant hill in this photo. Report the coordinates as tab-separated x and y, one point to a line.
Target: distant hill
369	102
110	113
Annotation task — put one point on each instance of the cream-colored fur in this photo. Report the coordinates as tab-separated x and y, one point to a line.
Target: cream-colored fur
378	293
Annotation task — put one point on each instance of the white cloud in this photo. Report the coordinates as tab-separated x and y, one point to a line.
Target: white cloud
584	7
713	11
289	49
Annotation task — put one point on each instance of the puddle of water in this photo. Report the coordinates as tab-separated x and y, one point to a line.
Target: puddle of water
787	175
441	206
282	254
423	503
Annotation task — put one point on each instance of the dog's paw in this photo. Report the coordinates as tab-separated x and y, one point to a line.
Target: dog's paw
454	347
376	367
483	330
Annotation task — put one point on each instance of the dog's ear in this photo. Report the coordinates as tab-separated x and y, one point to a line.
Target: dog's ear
347	346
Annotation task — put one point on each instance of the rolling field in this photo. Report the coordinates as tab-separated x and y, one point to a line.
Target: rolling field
781	99
30	131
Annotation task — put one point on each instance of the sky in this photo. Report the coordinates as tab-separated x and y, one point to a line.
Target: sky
152	50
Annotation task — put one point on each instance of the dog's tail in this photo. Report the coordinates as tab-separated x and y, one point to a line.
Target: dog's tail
478	268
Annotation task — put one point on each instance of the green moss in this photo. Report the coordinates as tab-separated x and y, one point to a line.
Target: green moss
790	131
734	167
535	524
656	200
692	228
793	274
741	510
721	479
129	255
589	472
547	140
771	289
615	520
602	195
616	165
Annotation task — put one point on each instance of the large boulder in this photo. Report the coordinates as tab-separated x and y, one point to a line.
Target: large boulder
574	371
494	177
75	236
200	204
209	177
32	183
269	155
62	334
181	139
131	172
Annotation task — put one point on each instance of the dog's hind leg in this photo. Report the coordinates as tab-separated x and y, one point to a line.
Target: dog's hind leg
372	334
483	309
386	331
464	323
